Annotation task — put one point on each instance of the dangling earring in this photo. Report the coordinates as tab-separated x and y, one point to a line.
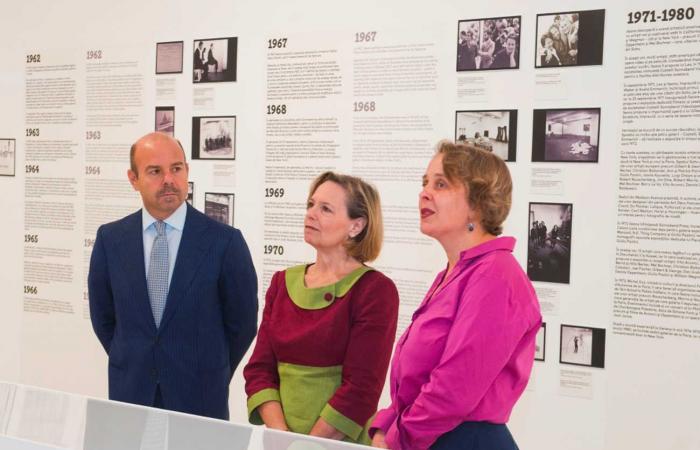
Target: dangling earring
470	227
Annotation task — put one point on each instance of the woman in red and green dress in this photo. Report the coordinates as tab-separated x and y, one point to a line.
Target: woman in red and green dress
328	328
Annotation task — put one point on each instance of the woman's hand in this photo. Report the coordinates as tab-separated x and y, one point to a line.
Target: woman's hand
271	413
325	430
378	439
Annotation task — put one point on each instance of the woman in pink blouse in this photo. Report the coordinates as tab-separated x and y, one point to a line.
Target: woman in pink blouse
466	358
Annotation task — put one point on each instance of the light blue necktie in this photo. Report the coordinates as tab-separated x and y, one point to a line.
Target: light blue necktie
158	273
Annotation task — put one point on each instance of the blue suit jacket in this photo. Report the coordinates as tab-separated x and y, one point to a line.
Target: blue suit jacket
209	321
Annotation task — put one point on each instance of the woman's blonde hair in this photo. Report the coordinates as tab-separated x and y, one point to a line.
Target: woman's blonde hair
486	179
362	201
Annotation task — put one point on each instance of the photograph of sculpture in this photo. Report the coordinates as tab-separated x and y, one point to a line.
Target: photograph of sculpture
165	120
169	57
549	242
219	207
582	346
541	342
190	192
570	38
214	137
488	44
566	135
492	130
7	157
214	60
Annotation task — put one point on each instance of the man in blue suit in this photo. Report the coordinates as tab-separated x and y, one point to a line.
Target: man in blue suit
173	293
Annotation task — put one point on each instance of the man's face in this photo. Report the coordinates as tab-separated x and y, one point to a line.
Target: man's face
161	174
510	45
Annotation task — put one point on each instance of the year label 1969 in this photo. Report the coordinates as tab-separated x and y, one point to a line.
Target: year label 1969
93	54
274	192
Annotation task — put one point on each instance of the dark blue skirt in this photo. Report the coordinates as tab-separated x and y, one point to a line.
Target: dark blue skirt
476	436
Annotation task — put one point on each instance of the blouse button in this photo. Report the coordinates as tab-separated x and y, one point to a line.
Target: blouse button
328	297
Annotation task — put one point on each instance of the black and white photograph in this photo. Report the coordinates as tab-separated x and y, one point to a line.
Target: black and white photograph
549	242
582	346
541	342
566	135
169	57
219	207
165	120
488	44
7	157
570	38
190	193
494	130
214	60
214	137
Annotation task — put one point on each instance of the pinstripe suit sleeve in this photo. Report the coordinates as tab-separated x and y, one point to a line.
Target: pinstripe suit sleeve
238	289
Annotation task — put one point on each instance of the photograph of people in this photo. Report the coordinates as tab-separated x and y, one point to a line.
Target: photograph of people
549	242
570	39
466	357
214	137
323	348
214	60
582	346
488	44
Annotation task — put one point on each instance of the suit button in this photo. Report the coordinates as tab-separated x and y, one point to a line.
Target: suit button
328	297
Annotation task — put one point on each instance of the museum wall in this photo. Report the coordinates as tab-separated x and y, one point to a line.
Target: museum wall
597	120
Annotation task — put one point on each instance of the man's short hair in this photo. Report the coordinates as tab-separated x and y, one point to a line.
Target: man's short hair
132	153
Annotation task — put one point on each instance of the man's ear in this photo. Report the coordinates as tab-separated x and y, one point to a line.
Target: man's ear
133	177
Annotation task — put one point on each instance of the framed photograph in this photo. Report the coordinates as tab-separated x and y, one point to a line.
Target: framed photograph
190	193
582	346
219	207
214	60
566	135
572	38
492	130
214	137
169	57
488	44
165	120
549	242
7	157
541	342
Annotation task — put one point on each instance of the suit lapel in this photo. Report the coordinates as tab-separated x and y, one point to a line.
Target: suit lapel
193	247
130	249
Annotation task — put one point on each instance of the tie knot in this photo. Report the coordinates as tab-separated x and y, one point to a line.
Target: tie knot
160	227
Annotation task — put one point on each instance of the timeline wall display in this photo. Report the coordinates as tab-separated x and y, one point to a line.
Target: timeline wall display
593	106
